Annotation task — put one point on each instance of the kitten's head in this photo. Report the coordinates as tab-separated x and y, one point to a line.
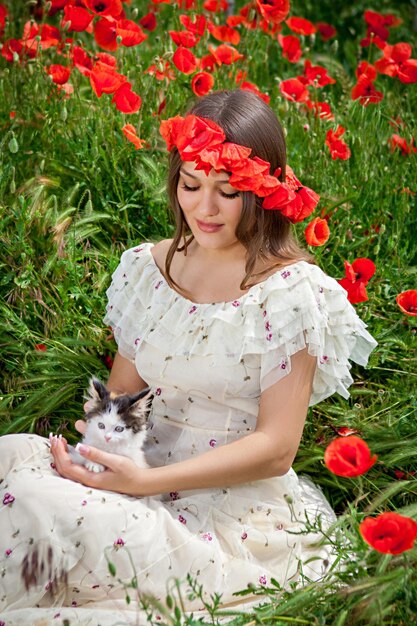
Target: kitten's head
117	417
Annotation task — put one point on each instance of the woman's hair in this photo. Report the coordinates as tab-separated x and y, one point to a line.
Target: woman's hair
266	234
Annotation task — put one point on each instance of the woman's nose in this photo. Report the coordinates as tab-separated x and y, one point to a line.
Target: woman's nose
208	203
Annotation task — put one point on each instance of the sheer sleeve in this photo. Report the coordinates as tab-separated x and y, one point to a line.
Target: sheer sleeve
127	298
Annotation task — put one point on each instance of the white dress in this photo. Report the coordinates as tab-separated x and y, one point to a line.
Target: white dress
207	365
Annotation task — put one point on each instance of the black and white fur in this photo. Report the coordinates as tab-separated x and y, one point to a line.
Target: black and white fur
115	424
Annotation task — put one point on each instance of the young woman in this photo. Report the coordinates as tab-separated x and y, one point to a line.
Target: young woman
237	332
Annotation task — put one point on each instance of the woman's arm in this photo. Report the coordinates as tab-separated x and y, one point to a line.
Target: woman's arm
268	451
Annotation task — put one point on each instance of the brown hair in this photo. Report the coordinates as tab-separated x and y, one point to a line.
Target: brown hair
266	235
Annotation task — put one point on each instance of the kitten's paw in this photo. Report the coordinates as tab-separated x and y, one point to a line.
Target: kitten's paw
95	467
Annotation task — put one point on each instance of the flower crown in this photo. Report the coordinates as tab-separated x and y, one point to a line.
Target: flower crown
203	141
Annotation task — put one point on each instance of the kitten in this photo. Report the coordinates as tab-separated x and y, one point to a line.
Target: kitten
115	424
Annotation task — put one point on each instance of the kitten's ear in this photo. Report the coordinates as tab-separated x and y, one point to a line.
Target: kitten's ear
96	390
141	402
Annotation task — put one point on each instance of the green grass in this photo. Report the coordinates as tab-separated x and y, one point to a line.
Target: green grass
74	194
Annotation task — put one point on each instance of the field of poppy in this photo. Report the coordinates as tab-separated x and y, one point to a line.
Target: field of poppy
85	86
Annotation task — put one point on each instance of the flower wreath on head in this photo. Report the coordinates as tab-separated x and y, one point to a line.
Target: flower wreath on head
203	141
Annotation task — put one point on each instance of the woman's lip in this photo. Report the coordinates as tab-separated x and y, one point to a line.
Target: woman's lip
207	227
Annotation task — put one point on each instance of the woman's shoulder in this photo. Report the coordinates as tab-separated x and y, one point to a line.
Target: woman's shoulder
160	251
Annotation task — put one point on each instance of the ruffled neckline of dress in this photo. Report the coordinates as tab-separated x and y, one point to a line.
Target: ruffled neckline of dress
252	293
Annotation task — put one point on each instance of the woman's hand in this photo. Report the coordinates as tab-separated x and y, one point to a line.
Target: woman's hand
122	474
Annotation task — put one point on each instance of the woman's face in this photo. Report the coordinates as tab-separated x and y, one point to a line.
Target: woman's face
211	206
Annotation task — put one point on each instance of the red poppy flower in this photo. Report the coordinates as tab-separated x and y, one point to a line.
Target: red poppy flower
389	533
131	33
357	276
366	68
294	90
316	75
105	34
76	18
3	14
224	33
320	109
148	21
40	347
126	100
196	135
365	91
202	83
104	79
337	147
378	24
106	59
184	38
215	6
170	130
10	48
348	456
395	141
392	58
407	301
59	73
129	132
184	60
109	8
251	87
327	31
291	48
81	60
273	10
226	156
301	26
317	232
162	71
225	55
196	26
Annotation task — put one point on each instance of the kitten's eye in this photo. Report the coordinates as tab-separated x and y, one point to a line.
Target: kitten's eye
101	425
119	429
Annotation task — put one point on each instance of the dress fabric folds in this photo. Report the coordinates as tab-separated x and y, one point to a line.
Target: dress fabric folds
207	365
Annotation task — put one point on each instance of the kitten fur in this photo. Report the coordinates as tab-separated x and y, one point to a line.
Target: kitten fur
115	424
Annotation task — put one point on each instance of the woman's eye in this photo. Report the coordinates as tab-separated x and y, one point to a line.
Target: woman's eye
187	188
230	195
101	425
119	429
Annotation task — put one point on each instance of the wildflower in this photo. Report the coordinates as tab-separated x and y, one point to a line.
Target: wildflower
76	19
112	8
126	100
327	31
59	73
294	90
389	533
301	26
396	141
148	21
407	301
357	276
348	456
184	60
224	33
225	54
337	147
396	61
202	83
183	38
40	347
129	132
291	47
317	232
273	10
